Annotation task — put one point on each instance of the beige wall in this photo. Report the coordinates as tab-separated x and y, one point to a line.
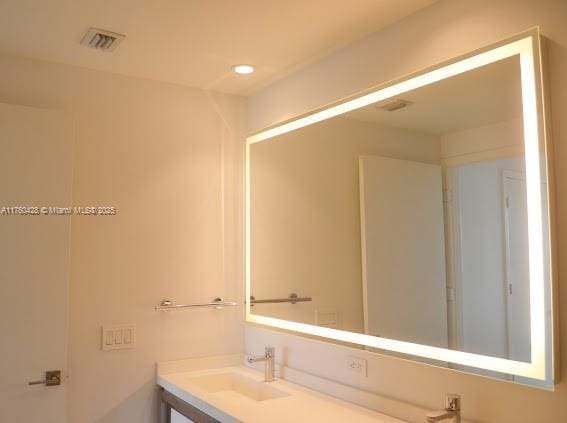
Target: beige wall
491	142
444	30
318	163
156	151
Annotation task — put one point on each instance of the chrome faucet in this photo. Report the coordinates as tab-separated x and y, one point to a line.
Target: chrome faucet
451	412
268	358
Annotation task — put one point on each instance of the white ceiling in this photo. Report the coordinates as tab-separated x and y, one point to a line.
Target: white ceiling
481	97
195	42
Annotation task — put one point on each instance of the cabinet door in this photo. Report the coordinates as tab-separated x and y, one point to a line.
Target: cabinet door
179	418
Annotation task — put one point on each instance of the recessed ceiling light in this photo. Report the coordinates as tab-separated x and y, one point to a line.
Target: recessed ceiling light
243	69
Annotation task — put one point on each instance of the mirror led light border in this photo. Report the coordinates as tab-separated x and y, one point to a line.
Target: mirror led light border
526	47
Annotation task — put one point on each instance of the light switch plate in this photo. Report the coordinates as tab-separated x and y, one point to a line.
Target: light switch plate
327	318
118	337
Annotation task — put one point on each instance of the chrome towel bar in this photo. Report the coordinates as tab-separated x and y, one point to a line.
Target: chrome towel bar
168	305
293	298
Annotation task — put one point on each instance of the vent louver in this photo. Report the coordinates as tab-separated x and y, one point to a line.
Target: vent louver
101	39
393	105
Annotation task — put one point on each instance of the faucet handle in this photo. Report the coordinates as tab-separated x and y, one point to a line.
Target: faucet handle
453	402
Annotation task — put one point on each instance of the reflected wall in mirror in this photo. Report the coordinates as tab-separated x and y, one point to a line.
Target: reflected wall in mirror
409	225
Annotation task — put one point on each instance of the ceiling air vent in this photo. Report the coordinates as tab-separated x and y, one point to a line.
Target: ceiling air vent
394	105
102	39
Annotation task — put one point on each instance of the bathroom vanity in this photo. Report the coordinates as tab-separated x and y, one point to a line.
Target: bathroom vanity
222	389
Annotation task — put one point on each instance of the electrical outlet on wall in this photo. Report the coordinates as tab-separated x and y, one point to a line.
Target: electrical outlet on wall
358	365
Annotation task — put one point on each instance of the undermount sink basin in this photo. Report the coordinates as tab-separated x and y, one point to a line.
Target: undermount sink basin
236	386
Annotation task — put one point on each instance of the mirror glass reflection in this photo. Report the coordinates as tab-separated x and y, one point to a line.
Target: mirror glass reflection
405	219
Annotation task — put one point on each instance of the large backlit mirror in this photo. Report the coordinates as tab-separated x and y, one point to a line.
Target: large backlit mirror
414	219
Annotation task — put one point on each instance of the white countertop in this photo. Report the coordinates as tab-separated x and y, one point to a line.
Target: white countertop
301	404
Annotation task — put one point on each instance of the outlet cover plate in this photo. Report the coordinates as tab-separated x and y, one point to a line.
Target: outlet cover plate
358	365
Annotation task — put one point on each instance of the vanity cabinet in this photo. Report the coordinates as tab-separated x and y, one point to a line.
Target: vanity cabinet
176	417
176	410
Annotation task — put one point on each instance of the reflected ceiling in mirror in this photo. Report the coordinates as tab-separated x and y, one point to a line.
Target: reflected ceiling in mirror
412	219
